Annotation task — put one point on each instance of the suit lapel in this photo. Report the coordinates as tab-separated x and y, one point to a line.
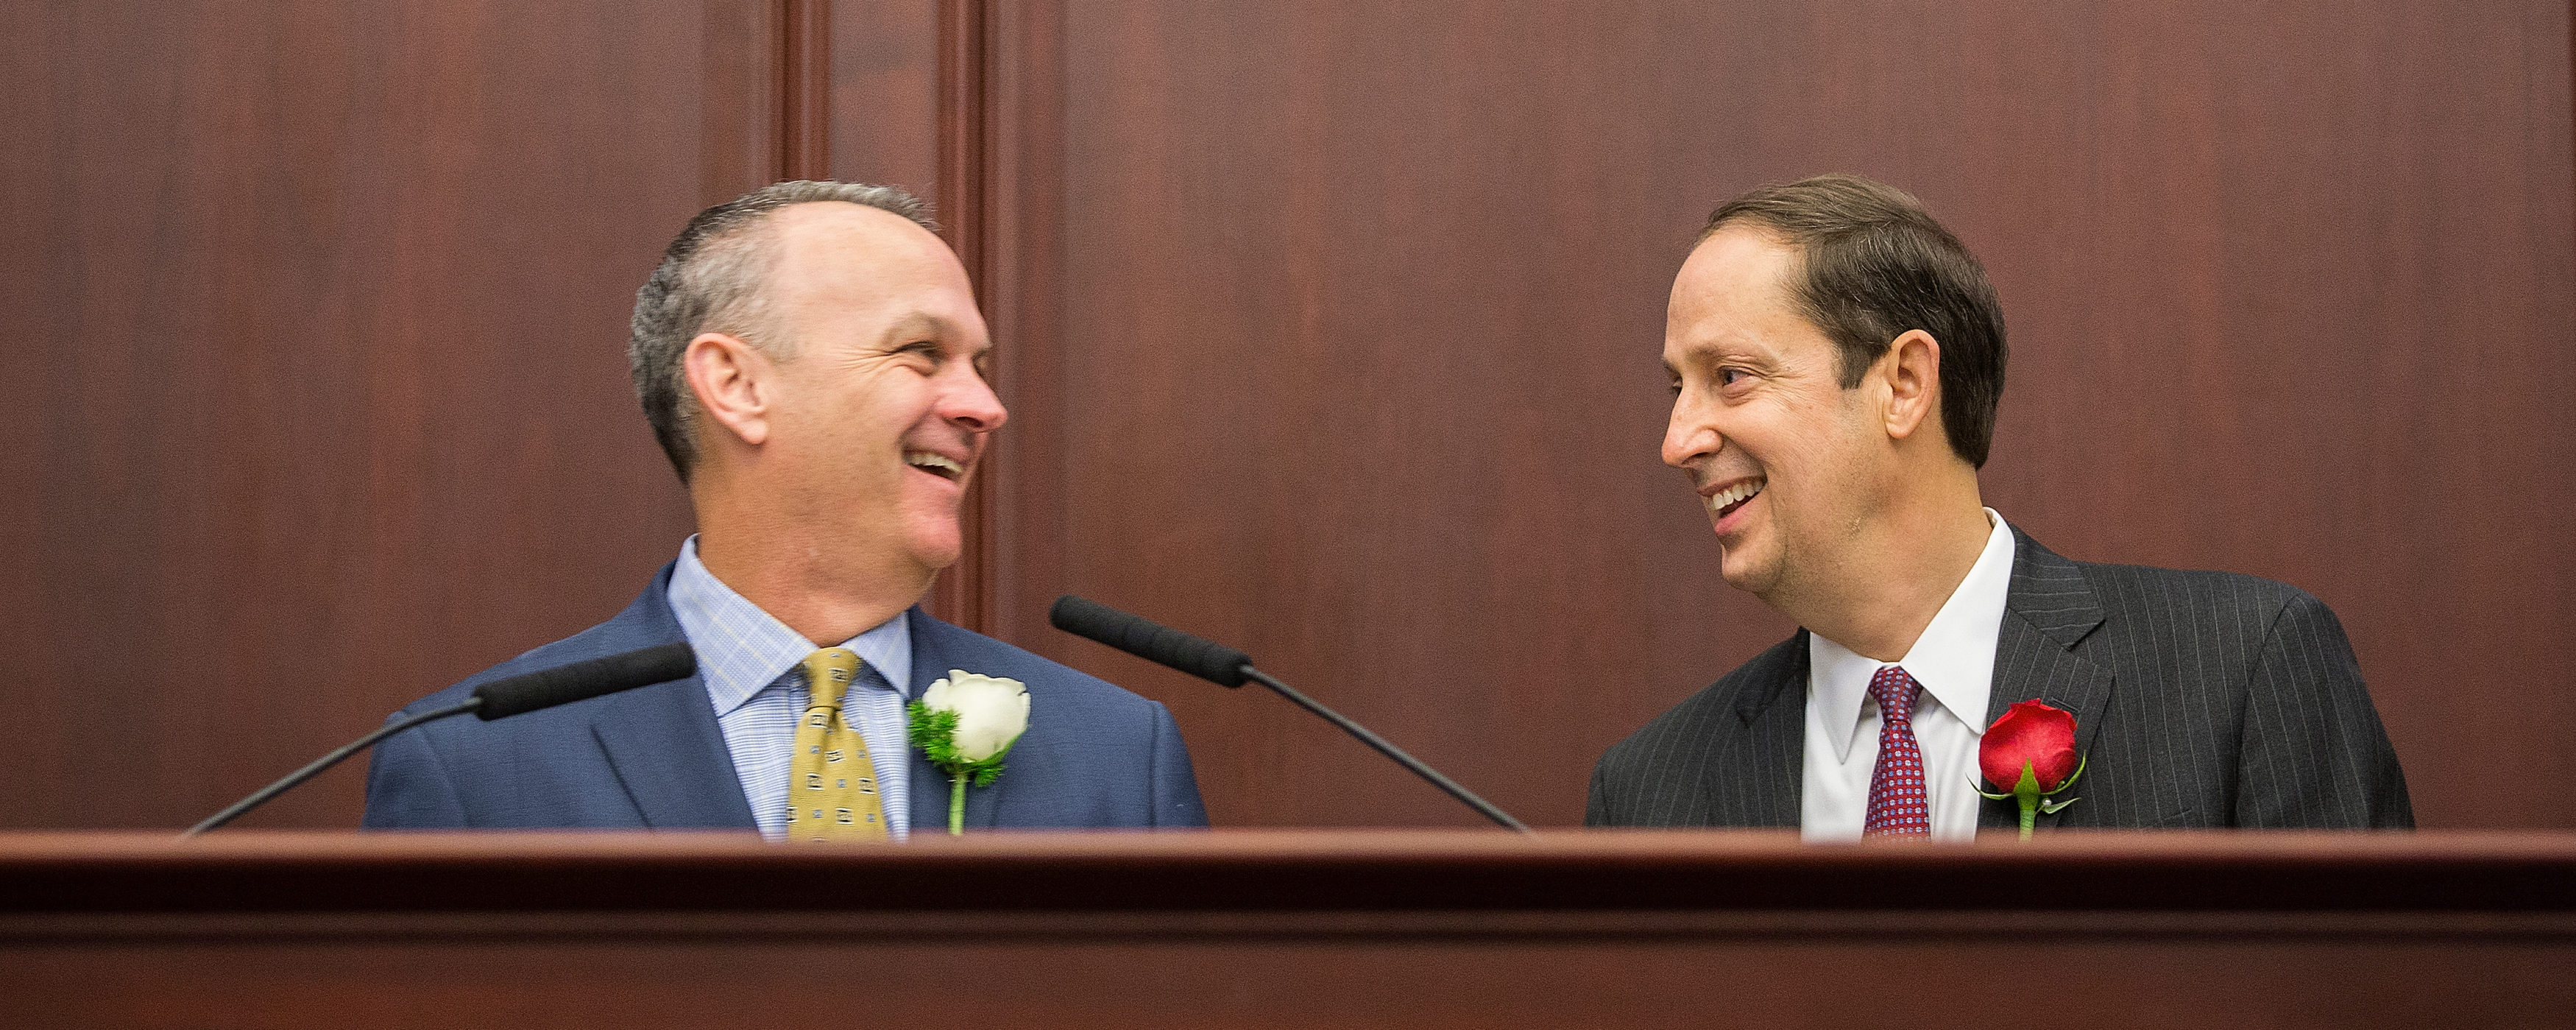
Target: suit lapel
663	741
934	652
669	754
1760	782
2050	608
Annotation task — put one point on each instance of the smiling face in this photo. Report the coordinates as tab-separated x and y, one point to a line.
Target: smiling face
1791	466
879	413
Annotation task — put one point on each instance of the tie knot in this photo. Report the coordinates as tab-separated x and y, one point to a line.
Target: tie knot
1895	692
828	674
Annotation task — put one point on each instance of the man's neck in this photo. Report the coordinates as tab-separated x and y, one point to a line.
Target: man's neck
824	602
1881	593
826	588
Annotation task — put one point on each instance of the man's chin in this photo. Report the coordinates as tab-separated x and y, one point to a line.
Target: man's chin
934	544
1744	571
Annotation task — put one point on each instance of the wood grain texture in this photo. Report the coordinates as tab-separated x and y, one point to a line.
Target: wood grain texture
321	335
1337	331
1431	982
908	110
1391	874
805	80
886	66
1283	929
1327	330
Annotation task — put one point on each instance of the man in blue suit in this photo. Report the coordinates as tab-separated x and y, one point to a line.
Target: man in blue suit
811	358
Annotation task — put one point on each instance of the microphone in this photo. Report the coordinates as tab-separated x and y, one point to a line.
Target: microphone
581	681
1163	645
500	698
1227	667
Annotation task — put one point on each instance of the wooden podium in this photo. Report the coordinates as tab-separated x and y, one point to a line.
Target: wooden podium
1414	929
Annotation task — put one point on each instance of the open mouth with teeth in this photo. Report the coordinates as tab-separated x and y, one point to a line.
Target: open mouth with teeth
1724	502
939	465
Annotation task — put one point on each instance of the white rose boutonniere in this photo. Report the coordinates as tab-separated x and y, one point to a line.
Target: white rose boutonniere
965	724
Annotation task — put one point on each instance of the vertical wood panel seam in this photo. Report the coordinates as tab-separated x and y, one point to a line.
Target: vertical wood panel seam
805	90
965	132
1023	217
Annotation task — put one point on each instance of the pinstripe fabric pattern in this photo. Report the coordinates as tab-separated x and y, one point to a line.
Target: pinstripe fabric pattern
2201	699
755	679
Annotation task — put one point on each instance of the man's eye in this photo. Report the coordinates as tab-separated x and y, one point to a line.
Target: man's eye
1727	376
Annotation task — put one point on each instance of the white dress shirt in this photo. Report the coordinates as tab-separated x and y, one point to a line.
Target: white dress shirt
755	675
1954	660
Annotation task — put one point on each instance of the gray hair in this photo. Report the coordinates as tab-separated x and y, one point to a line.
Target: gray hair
714	279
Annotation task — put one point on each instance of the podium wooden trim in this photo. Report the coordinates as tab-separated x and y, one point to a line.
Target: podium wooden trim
1283	928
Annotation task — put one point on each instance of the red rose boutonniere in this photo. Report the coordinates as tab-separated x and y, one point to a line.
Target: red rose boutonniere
2032	748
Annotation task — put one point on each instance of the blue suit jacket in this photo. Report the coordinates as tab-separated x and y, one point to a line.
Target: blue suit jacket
653	757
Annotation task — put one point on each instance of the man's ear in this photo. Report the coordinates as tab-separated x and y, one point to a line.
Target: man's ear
734	383
1912	367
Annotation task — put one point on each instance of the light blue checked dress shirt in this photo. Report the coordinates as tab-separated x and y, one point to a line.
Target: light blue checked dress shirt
754	668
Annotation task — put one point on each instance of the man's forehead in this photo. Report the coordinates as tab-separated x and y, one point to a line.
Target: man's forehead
1731	298
838	231
1737	266
852	257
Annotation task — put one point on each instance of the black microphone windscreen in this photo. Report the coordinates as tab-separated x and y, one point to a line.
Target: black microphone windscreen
1205	659
564	684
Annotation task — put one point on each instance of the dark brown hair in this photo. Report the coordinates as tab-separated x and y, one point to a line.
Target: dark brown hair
1874	265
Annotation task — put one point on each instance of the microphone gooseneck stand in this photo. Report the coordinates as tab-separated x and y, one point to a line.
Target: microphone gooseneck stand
1227	667
1464	796
327	761
499	699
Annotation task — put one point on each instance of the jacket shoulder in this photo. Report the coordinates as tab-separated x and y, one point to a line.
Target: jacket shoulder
2230	603
627	632
1713	710
1050	681
522	771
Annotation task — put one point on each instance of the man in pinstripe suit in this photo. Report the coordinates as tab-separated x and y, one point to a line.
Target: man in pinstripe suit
1836	357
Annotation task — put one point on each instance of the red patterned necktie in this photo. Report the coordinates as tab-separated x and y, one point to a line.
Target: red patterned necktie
1897	805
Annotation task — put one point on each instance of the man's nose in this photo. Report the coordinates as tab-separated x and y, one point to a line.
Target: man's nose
1687	440
970	403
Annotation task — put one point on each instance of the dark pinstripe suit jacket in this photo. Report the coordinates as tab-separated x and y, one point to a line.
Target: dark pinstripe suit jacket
2201	699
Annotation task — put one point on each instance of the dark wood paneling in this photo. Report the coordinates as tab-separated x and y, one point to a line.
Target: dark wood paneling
1434	981
1288	929
1337	330
1404	877
885	96
1329	331
805	81
908	110
320	336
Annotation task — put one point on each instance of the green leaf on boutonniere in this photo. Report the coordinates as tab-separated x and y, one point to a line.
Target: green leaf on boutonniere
935	732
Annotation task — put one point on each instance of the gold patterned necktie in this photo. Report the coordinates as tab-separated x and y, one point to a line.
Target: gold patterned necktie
832	785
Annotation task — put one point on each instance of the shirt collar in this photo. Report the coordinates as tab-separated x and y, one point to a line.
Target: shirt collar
742	649
1954	659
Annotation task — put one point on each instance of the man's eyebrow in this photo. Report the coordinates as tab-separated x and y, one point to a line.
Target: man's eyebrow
1717	351
918	325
